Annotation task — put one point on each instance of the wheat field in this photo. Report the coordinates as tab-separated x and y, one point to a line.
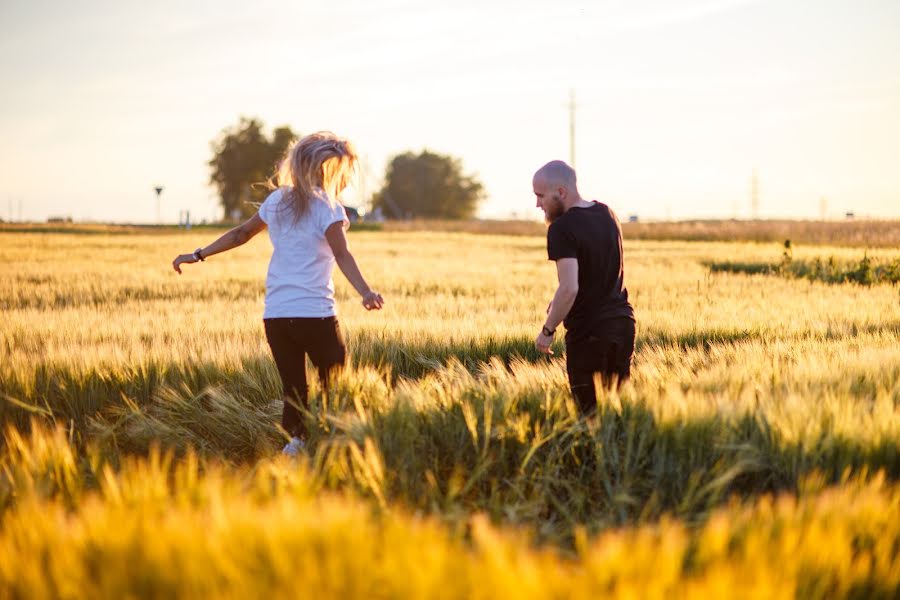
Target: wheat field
754	453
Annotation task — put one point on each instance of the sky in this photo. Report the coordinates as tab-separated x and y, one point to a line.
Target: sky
678	102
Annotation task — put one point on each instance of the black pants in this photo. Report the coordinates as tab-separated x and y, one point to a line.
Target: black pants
291	340
606	351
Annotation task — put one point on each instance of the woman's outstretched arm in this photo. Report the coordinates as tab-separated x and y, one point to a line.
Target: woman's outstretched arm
337	240
232	239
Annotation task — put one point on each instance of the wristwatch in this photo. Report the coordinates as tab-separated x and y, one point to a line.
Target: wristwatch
198	255
548	332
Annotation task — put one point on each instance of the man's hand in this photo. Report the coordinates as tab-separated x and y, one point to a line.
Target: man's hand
542	343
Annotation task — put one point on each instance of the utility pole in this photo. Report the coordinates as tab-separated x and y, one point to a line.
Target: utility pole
159	190
10	211
754	193
572	107
823	208
20	210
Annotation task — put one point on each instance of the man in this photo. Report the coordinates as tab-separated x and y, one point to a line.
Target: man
585	240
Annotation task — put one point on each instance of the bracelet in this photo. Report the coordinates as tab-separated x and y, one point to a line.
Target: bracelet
198	255
548	332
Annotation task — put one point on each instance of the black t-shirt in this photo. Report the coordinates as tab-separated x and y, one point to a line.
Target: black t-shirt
593	236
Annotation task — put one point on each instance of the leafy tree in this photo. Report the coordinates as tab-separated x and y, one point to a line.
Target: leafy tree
244	158
428	185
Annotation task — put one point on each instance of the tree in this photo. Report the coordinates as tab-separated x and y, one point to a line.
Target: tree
428	185
243	159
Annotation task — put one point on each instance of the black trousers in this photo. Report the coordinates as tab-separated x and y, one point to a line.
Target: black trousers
291	340
606	351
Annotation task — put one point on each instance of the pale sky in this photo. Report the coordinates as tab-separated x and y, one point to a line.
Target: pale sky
678	100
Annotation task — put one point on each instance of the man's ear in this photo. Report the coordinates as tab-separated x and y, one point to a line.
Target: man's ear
563	193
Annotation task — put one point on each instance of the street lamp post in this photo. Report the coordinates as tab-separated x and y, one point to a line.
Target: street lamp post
159	190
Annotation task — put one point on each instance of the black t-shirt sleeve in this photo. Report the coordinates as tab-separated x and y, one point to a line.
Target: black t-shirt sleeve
560	241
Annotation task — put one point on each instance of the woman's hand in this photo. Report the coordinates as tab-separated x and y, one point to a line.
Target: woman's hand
183	259
372	300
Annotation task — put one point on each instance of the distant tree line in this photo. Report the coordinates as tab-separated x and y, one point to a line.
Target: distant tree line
425	184
244	158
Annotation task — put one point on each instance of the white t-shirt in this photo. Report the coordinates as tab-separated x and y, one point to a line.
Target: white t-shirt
299	282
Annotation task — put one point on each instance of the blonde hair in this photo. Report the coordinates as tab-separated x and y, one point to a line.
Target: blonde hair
318	161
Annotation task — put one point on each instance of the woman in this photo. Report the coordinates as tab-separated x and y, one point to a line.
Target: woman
306	225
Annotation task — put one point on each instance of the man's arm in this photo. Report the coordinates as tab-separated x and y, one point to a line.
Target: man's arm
567	273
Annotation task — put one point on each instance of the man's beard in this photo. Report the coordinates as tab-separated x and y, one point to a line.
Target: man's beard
553	209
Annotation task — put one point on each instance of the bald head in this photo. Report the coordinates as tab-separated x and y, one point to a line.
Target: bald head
557	174
555	189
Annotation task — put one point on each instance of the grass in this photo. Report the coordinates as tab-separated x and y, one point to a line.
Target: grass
861	233
160	527
865	271
761	428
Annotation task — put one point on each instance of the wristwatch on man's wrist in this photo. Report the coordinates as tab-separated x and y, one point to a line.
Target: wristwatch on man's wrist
548	332
199	255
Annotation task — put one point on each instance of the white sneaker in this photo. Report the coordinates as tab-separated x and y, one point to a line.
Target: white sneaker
294	447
